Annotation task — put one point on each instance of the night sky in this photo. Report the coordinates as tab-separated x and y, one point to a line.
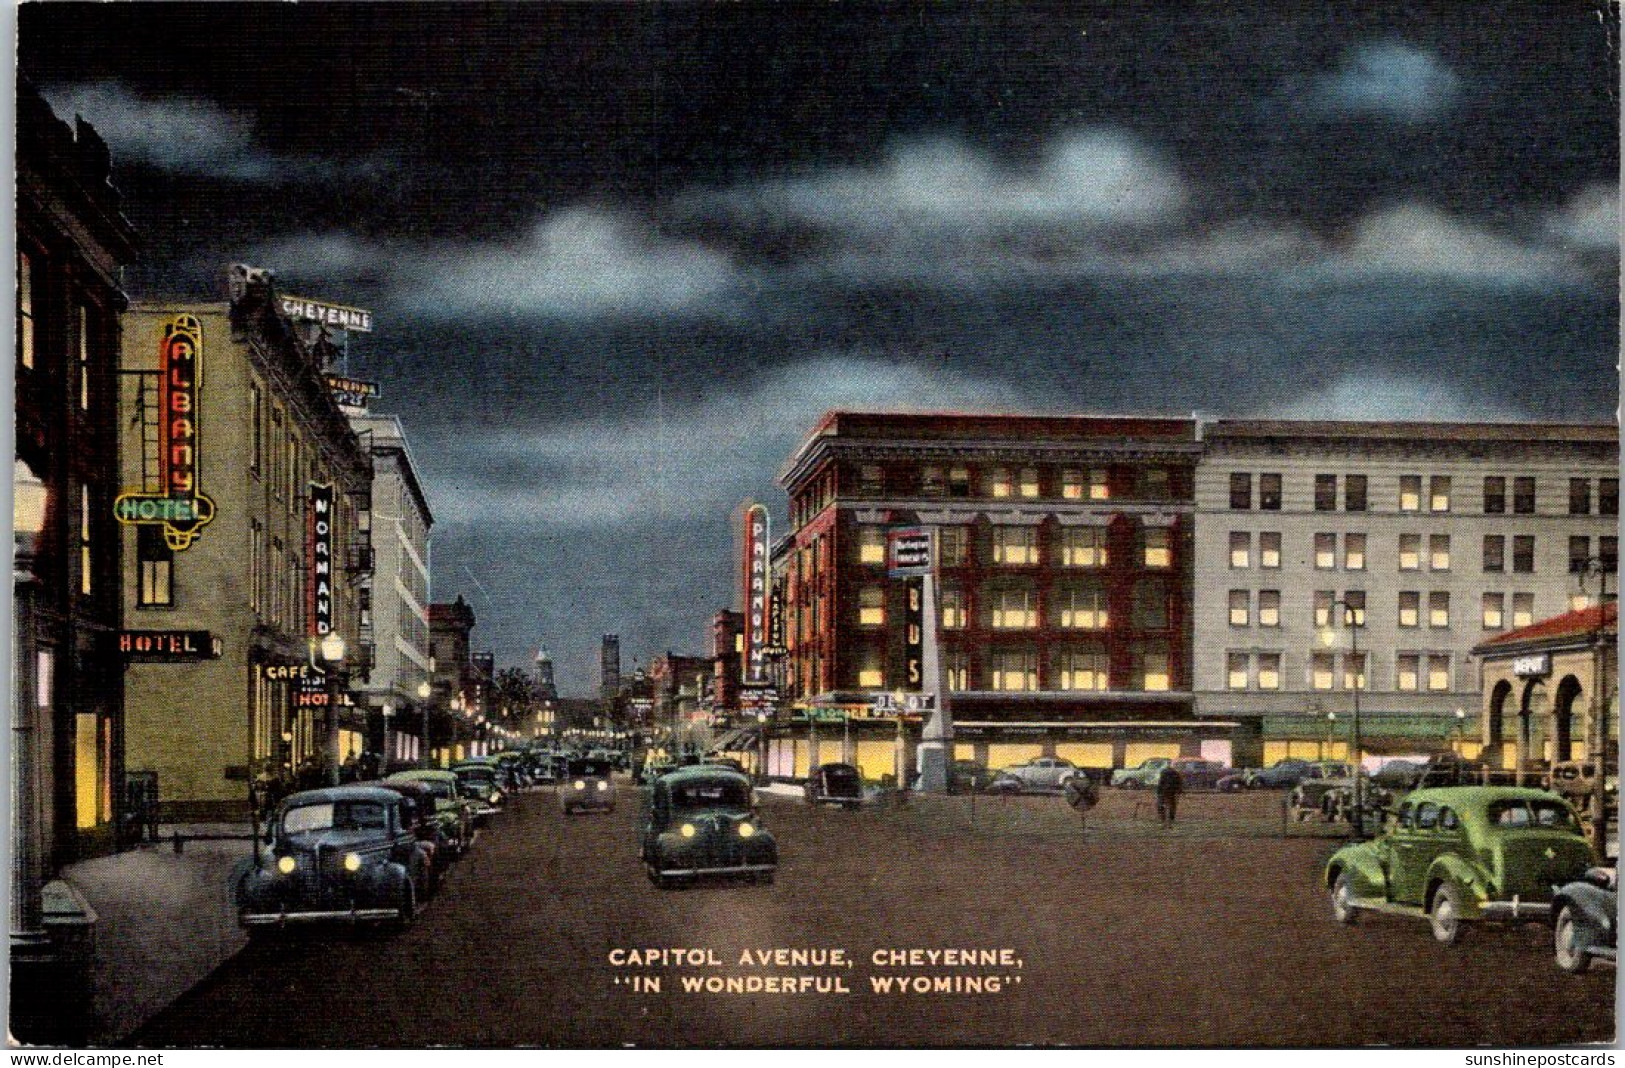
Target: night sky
621	257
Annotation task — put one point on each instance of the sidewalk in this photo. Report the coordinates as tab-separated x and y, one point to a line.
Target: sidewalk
164	922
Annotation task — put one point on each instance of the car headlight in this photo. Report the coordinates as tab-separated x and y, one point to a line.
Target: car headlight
496	798
286	865
602	786
580	785
687	830
352	862
746	830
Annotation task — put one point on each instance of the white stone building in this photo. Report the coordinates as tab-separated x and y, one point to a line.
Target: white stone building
1435	536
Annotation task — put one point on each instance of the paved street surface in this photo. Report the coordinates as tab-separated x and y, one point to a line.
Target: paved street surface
1213	934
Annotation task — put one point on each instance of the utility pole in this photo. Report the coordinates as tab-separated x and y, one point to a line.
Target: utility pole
1601	701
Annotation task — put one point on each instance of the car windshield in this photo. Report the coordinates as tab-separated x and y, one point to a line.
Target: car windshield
598	769
711	793
341	815
439	788
477	774
1518	812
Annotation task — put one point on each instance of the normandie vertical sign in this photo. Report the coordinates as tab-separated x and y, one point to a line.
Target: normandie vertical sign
319	543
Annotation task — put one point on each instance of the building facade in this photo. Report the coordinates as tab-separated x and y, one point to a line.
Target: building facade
455	683
394	611
1064	588
244	488
1331	555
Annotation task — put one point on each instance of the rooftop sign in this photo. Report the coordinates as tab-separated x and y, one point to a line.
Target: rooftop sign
338	316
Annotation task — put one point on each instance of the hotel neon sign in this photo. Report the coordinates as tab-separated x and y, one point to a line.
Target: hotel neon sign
179	505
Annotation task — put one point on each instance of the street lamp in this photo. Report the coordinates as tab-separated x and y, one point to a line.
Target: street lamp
331	648
1597	743
424	690
388	710
1461	733
1331	729
1353	619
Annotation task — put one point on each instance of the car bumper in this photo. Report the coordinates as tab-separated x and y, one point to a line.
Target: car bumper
605	804
732	869
279	919
1515	910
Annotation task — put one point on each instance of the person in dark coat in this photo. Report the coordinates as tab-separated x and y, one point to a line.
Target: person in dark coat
1082	794
1170	784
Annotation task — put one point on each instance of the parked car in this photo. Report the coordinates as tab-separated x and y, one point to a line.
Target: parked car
1576	781
1040	773
345	853
1308	797
967	776
588	787
724	762
457	813
1455	855
427	827
834	784
702	821
1399	775
1281	775
1587	919
480	781
1200	774
1143	777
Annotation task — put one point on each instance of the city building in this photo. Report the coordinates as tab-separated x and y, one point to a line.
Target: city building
244	489
609	669
395	598
678	682
1064	573
455	682
1540	685
1331	555
727	647
67	748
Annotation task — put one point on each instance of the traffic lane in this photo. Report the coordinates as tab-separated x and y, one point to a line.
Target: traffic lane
1183	941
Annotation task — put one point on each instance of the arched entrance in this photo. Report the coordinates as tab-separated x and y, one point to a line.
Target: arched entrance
1495	725
1563	718
1532	707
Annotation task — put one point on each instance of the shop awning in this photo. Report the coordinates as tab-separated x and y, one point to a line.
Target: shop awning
735	741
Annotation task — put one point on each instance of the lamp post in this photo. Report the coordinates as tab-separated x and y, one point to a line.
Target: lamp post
331	650
424	690
1352	621
30	502
1461	733
1331	729
1597	742
388	709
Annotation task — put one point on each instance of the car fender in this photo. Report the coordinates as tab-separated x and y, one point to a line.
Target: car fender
1364	867
1464	875
1595	904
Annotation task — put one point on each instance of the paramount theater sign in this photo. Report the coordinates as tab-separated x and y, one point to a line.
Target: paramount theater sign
754	660
178	505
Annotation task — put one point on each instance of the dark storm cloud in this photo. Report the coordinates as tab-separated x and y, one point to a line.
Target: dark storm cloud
623	256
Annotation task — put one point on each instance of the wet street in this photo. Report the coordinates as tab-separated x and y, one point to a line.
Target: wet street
1206	935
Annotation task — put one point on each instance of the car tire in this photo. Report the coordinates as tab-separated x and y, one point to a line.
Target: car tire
1445	916
406	908
1343	910
1569	943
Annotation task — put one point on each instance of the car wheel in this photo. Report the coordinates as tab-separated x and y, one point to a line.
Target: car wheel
1446	916
406	909
1569	943
1343	910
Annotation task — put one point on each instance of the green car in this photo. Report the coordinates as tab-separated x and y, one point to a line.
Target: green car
702	821
454	812
1457	854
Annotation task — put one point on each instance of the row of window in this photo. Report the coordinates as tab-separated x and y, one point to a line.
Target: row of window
1414	552
1017	671
83	323
1413	671
1493	608
1071	607
1418	495
1018	546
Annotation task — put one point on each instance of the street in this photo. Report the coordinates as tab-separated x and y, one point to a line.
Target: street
1198	936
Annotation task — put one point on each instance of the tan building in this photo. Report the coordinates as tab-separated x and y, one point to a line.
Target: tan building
240	562
1540	688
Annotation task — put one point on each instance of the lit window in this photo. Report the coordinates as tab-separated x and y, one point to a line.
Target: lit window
1015	671
1269	671
998	482
1523	609
1099	488
85	561
1241	549
1494	611
1028	485
1321	669
25	309
1083	546
932	484
1354	552
1410	608
1072	484
1353	671
871	545
1240	608
83	362
1155	677
1269	608
1438	672
1323	607
1439	493
1408	671
1325	551
1354	608
1410	552
1439	608
1236	670
155	562
871	606
1269	549
1015	545
869	673
1410	493
958	673
1083	607
1439	552
1157	552
1014	608
1084	671
953	608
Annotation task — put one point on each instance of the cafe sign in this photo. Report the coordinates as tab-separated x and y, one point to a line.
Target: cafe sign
178	505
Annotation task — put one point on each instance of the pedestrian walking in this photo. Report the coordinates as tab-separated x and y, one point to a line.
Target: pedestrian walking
1082	794
1170	784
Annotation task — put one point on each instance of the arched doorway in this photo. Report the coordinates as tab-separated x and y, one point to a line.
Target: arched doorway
1563	718
1495	726
1532	708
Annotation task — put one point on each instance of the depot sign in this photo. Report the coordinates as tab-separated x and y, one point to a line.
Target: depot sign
178	504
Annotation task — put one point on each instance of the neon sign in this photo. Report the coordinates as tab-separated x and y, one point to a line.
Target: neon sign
754	660
179	504
319	543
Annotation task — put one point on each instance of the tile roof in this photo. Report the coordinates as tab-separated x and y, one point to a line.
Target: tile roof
1579	624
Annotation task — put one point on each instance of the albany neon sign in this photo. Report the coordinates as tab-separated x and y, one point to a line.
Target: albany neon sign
179	504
